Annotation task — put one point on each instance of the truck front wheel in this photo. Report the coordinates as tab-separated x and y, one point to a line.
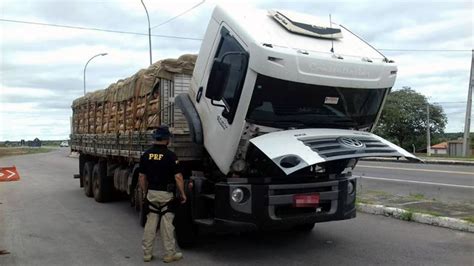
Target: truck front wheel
187	232
87	178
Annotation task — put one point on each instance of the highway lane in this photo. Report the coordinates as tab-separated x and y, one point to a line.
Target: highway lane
46	220
451	183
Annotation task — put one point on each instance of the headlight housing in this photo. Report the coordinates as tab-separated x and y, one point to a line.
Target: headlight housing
350	187
237	195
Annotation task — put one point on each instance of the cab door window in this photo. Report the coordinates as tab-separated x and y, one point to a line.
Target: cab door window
236	75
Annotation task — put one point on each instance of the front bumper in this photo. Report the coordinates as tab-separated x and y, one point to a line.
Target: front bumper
269	205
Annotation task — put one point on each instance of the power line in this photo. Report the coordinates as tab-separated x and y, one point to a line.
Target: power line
449	102
424	50
179	15
98	29
188	38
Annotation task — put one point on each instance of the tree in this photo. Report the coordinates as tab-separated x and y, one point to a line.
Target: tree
404	117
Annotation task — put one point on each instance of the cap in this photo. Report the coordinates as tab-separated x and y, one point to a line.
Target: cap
162	133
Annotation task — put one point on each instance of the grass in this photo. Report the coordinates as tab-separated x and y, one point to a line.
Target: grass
469	219
417	203
360	200
407	215
14	151
417	196
445	157
423	211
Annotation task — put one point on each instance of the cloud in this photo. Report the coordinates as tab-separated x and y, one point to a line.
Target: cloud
42	67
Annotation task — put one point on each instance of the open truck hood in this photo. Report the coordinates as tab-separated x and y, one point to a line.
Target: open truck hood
293	150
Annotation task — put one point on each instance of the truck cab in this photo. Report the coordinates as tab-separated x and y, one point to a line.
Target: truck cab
261	72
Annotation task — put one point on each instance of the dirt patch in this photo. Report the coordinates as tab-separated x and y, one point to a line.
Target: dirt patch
14	151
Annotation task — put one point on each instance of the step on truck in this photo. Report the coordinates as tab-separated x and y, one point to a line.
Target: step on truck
269	119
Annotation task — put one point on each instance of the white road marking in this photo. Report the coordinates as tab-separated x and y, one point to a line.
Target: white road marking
11	174
414	169
8	177
415	182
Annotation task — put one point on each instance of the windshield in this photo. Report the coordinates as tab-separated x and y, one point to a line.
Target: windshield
283	104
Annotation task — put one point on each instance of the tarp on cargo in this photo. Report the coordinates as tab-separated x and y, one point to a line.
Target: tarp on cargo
142	82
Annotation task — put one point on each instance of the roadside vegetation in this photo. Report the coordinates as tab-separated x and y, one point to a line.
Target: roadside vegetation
444	157
14	151
418	203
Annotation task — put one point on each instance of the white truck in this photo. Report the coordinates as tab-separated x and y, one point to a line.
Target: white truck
279	109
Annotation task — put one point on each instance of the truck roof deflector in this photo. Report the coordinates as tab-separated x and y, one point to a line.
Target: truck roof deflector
308	28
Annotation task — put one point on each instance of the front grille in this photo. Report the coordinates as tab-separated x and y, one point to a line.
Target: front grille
332	147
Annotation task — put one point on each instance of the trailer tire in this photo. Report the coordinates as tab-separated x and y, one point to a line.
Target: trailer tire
102	186
305	227
140	206
144	210
87	178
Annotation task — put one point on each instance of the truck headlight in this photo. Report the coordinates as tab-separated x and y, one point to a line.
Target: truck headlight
237	195
350	187
239	166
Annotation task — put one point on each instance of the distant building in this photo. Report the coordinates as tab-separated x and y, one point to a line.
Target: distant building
35	143
440	148
455	148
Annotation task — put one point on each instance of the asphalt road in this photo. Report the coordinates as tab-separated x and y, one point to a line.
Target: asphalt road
450	183
46	220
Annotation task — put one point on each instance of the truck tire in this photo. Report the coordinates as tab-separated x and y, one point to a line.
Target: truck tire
186	231
87	178
143	214
102	186
140	206
305	227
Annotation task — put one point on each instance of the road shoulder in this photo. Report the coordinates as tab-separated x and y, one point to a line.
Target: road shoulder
407	215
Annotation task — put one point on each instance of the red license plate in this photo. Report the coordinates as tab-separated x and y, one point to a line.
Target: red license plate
306	200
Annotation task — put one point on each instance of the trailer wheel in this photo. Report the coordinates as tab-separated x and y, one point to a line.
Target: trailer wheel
140	205
87	178
305	227
101	185
144	210
138	197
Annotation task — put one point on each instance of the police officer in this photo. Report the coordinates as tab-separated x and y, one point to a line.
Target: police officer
159	171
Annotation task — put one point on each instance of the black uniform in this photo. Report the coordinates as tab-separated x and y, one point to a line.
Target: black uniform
159	164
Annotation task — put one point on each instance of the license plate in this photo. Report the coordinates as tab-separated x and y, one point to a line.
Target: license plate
306	200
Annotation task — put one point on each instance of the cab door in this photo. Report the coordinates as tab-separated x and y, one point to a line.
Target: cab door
220	116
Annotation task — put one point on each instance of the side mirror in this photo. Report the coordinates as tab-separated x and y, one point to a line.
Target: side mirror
217	80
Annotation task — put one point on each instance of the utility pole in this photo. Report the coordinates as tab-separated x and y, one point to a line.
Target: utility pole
428	137
466	147
149	31
85	67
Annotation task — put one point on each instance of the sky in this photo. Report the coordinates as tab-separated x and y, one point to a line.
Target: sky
41	70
